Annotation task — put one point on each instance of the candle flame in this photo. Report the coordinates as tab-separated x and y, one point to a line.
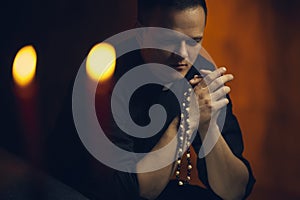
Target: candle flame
101	62
24	66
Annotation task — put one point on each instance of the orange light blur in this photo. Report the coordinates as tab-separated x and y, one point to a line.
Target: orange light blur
24	66
101	62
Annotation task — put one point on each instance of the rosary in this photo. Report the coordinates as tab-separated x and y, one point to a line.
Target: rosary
184	139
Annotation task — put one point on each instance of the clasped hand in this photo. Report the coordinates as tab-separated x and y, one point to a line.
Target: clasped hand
210	92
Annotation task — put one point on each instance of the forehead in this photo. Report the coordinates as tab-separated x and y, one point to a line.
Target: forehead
190	21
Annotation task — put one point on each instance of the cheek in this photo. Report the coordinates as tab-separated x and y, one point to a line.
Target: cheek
193	53
164	56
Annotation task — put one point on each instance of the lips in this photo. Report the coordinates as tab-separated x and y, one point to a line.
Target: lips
179	66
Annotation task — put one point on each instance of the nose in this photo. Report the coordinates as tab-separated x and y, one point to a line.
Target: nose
182	50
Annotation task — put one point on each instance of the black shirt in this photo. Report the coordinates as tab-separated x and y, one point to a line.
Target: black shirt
69	161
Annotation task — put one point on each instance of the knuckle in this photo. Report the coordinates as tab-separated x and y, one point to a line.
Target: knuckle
207	101
209	77
213	86
200	96
205	81
220	81
197	87
209	107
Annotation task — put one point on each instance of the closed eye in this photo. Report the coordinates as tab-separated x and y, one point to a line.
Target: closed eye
194	41
198	39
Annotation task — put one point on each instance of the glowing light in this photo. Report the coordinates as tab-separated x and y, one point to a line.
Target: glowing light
24	66
101	62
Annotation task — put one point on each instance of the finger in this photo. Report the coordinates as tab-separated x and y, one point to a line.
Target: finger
219	104
201	91
220	93
205	71
219	82
196	80
214	75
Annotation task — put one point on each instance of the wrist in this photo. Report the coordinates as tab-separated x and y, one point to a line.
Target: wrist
209	128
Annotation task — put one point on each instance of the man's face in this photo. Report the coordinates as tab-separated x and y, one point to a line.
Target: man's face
190	22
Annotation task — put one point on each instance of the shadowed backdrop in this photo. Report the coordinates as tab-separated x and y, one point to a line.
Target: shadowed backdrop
258	41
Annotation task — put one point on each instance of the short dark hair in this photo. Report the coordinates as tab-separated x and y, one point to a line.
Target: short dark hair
145	6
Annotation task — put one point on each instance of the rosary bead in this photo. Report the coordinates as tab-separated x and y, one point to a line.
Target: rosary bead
184	131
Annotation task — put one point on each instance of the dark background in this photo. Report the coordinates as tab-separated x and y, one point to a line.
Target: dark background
258	41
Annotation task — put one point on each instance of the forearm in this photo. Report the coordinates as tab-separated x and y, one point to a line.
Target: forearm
152	183
227	175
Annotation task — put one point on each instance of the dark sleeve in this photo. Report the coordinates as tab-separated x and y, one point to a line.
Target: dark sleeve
69	161
122	185
231	132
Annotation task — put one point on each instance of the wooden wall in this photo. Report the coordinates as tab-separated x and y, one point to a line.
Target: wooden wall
258	41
